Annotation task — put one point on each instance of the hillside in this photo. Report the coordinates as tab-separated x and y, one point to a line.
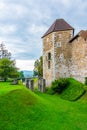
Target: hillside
74	90
21	109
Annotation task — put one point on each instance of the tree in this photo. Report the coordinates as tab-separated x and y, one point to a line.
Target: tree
38	67
22	76
35	71
3	52
8	69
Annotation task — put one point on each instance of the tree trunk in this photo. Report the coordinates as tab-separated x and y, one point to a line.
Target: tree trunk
5	79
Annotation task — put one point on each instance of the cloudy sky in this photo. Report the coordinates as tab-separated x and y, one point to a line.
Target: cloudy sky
23	22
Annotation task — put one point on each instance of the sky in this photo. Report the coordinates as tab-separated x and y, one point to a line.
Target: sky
23	23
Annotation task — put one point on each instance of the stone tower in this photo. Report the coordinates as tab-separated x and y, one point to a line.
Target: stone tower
55	41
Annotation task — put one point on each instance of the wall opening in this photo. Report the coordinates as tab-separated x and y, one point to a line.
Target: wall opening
49	64
49	56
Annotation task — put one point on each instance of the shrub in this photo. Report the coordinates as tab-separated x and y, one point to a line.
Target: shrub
59	85
85	80
50	91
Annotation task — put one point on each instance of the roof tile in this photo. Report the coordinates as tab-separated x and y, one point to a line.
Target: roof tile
58	25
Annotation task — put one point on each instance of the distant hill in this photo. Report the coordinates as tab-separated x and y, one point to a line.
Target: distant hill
27	73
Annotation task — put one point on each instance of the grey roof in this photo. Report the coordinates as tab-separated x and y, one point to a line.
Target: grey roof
58	25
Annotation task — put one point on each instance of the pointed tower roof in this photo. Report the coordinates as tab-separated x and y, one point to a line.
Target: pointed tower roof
58	25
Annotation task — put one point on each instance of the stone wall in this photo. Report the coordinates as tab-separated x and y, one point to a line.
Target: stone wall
61	65
48	47
78	58
68	59
55	43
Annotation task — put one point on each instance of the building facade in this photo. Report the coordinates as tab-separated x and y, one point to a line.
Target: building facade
63	54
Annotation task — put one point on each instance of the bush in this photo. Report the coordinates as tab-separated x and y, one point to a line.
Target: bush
59	85
49	91
85	80
68	88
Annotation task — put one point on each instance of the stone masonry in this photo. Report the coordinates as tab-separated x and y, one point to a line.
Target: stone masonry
64	55
77	48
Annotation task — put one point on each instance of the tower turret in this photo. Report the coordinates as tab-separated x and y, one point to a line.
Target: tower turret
54	50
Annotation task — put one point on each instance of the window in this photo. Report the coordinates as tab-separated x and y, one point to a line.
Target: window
84	39
49	64
59	44
49	56
46	58
49	60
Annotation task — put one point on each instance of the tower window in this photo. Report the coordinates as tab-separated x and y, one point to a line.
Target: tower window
59	44
49	60
85	39
49	64
49	56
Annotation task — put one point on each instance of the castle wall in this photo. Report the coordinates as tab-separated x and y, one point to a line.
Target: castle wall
61	64
77	60
55	44
48	64
62	57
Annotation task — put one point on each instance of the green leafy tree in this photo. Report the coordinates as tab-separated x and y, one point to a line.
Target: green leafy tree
22	76
38	67
35	71
8	69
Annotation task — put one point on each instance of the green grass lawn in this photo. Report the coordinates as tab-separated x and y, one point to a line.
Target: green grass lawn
74	90
21	109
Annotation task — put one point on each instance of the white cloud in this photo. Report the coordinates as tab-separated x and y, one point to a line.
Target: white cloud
25	64
23	22
14	45
7	29
30	49
12	10
37	29
66	3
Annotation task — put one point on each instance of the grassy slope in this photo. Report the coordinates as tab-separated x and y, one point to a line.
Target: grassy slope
21	109
74	90
5	87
